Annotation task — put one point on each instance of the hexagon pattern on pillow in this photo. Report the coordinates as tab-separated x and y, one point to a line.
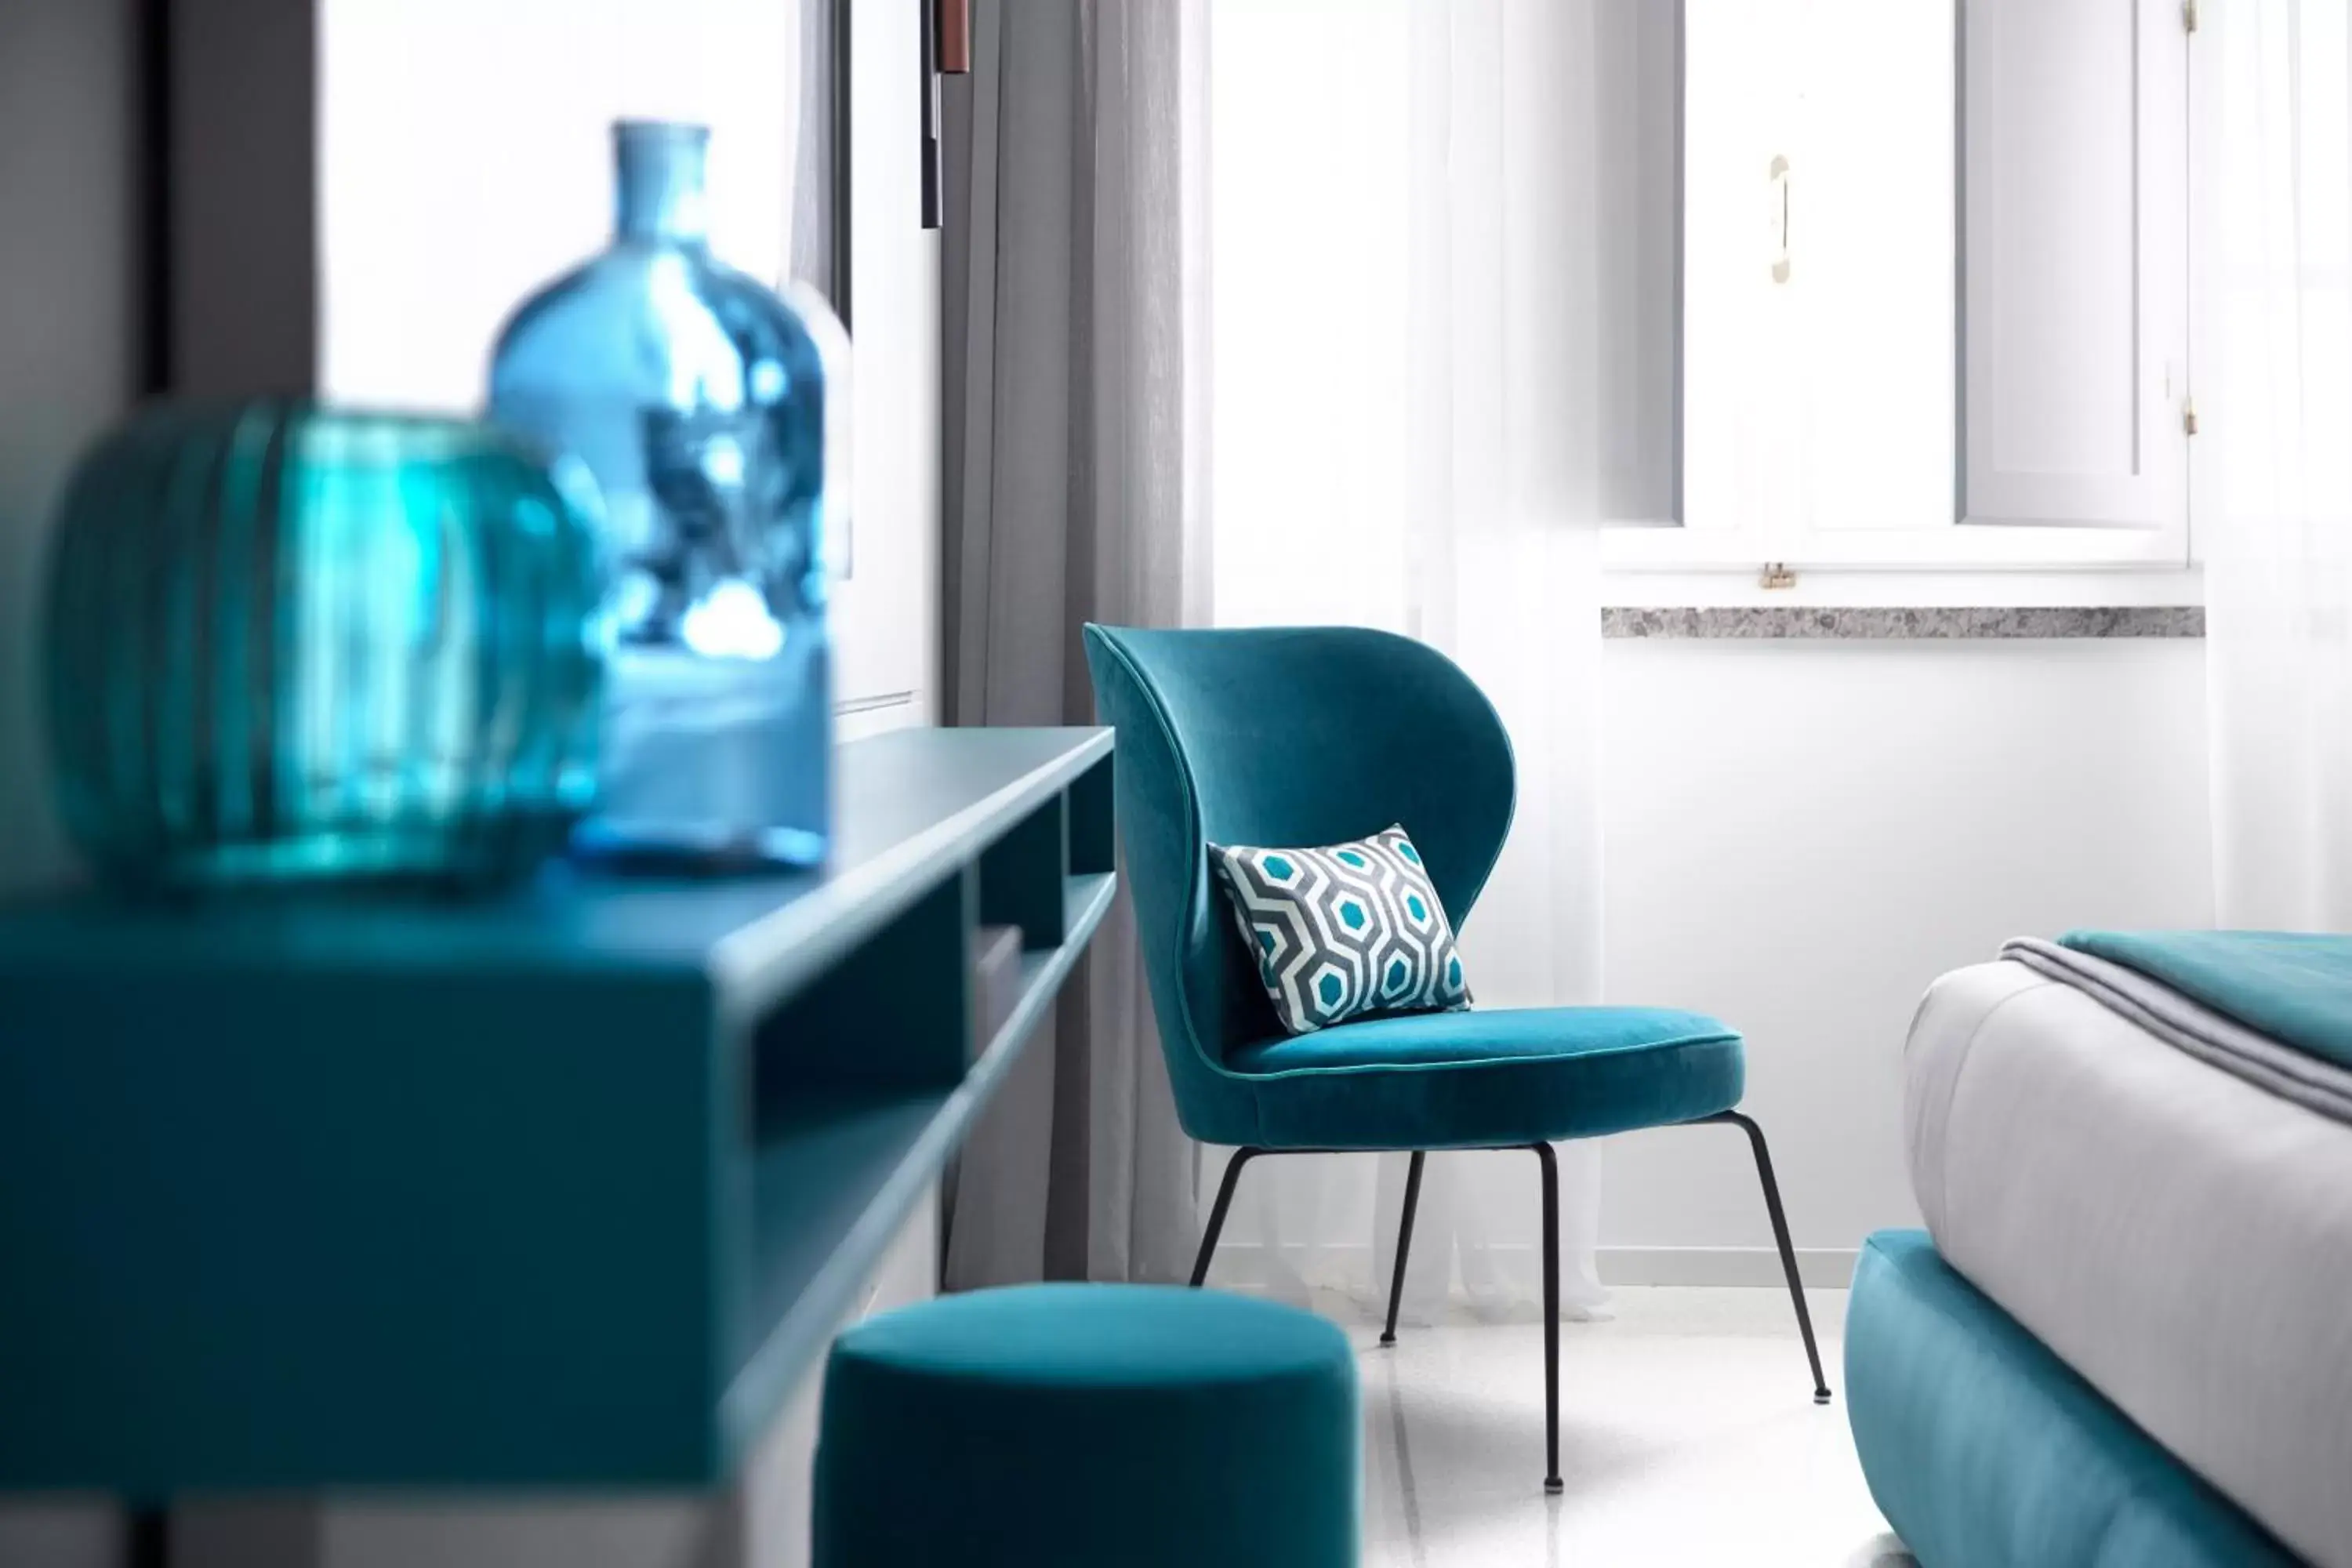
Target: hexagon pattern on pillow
1343	930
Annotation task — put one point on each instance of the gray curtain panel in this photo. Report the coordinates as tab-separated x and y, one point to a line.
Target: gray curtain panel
1075	430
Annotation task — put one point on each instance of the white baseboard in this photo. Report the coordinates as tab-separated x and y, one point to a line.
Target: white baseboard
1820	1267
1242	1265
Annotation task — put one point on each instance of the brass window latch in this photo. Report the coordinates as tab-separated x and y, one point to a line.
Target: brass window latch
1778	174
1776	575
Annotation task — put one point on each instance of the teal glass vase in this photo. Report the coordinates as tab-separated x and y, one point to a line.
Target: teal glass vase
699	400
288	644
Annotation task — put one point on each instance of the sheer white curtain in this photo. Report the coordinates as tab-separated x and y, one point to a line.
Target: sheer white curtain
1074	369
1407	270
2279	542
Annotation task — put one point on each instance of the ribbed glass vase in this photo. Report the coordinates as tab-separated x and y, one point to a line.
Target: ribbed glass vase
288	645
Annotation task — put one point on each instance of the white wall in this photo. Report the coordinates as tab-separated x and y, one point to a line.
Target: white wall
1802	835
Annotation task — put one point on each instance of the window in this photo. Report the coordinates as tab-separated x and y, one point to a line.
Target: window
1931	286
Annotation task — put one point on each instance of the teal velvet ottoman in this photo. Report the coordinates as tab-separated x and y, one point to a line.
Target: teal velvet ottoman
1045	1425
1984	1450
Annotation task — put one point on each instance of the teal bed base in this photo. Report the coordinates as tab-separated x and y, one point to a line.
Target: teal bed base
1984	1450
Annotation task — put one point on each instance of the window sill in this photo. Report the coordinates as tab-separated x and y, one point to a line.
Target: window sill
1760	623
1967	549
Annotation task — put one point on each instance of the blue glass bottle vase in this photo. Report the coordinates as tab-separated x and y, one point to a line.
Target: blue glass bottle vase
697	398
288	644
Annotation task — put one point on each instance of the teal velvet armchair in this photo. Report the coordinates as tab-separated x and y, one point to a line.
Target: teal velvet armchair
1313	735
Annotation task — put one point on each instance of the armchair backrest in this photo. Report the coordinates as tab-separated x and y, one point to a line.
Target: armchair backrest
1280	736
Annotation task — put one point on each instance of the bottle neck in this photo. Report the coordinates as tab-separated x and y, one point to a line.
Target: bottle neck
658	189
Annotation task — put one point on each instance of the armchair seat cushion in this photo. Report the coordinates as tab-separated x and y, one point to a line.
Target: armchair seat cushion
1488	1077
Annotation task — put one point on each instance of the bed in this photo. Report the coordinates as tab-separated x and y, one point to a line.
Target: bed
2174	1236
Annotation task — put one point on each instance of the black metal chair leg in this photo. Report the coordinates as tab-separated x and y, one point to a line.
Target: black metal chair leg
1217	1212
1781	1237
1404	1243
1552	1482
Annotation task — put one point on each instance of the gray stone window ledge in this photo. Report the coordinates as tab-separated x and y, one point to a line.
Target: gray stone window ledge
1833	623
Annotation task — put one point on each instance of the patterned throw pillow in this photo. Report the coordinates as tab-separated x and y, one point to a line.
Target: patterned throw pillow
1344	931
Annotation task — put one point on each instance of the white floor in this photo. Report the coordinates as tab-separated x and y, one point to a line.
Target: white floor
1688	1434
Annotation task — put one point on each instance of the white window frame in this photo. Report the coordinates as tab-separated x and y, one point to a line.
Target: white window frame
1650	562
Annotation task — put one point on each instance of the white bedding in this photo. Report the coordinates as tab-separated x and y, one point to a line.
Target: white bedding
2179	1237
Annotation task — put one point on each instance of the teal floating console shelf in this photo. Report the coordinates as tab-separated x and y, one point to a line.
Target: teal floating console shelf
565	1189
